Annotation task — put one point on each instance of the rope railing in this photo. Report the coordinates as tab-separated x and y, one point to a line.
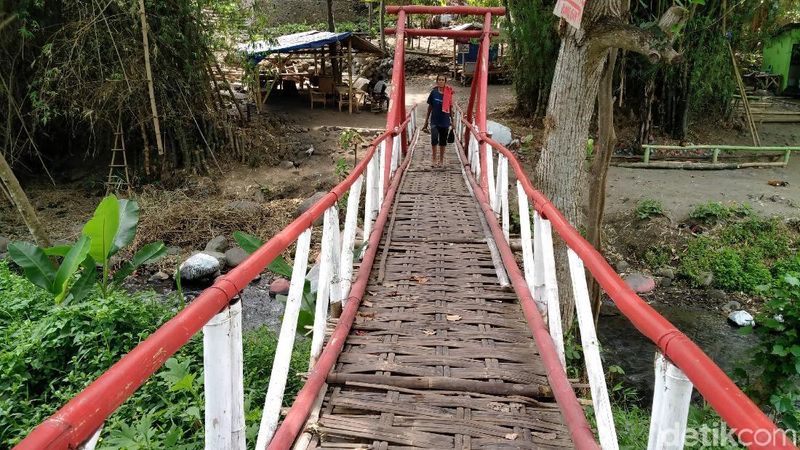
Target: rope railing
217	312
680	365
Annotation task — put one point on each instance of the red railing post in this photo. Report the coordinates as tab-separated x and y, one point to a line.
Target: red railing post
397	106
483	75
473	93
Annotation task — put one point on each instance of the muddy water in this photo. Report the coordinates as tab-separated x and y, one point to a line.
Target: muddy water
624	346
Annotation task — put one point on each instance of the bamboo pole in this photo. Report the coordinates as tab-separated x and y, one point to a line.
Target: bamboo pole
20	200
748	115
153	108
350	73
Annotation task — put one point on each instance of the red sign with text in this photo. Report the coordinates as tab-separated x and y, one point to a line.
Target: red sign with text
571	11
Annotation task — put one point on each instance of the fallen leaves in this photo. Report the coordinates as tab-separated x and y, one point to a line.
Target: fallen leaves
512	436
778	183
420	279
453	317
428	332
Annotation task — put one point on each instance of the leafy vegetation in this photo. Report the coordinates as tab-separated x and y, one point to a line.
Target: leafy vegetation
777	354
111	228
48	354
743	253
649	208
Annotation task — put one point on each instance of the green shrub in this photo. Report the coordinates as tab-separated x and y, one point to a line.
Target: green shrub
715	212
657	256
50	353
648	208
778	351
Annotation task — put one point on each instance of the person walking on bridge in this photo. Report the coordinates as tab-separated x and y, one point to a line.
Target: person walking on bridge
439	116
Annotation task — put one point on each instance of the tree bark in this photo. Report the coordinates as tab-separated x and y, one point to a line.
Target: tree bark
604	149
381	24
20	200
575	85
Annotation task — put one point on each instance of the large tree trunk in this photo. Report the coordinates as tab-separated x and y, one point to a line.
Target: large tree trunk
559	173
604	149
20	200
576	81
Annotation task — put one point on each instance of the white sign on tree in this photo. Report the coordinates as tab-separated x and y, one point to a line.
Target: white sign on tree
571	11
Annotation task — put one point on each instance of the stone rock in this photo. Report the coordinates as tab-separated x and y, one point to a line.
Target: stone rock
219	256
666	272
639	282
731	306
3	256
706	279
3	244
741	318
159	276
218	244
199	266
279	286
500	133
665	282
718	294
244	205
172	251
309	202
622	267
288	165
235	256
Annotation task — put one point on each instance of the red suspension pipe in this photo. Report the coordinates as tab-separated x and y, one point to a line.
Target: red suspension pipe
71	425
473	93
581	433
483	76
462	10
739	412
393	118
301	408
426	32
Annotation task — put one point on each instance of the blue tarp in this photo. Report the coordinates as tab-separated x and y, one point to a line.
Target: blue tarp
291	42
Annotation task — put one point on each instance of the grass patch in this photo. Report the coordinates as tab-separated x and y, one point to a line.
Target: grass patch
743	251
649	208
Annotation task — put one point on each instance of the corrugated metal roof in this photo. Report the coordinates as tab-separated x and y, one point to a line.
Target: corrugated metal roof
301	41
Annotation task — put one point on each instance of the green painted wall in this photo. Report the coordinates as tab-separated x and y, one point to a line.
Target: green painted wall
778	53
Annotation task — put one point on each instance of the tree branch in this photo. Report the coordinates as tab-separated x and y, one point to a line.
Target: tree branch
654	42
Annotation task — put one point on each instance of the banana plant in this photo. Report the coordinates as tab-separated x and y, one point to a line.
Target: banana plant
111	228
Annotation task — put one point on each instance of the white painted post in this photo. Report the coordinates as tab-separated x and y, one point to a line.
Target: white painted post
671	398
544	237
497	201
381	172
490	174
476	165
370	197
237	378
324	288
283	353
591	354
525	237
91	443
349	239
336	253
538	267
504	200
217	380
396	149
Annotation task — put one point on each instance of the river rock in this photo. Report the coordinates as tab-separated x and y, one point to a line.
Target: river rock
235	256
731	306
622	267
159	276
3	244
199	266
666	272
244	206
308	203
279	286
665	281
706	279
718	294
639	282
741	318
218	244
500	132
288	165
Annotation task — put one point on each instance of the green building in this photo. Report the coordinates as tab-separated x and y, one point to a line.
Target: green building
782	57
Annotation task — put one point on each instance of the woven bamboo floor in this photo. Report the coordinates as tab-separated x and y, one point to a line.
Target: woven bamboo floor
440	356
